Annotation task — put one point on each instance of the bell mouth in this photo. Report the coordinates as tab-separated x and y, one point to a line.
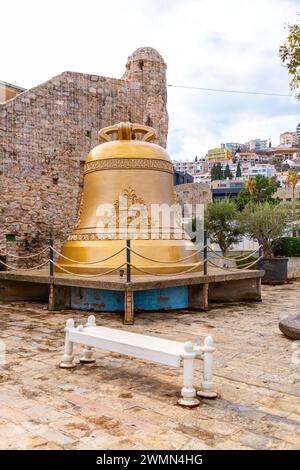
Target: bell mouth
108	257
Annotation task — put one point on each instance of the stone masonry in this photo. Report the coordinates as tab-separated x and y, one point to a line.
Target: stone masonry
46	133
193	194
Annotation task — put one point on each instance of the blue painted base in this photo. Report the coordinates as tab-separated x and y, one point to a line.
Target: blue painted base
169	298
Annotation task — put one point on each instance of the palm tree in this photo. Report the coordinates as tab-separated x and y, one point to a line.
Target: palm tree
250	185
292	180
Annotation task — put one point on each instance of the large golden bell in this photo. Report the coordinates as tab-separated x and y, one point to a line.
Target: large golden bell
126	183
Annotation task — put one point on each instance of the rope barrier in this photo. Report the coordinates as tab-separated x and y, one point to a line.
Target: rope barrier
236	269
251	264
27	256
91	262
167	274
218	266
13	268
88	275
167	262
236	258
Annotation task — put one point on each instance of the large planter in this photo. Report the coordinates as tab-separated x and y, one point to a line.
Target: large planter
276	270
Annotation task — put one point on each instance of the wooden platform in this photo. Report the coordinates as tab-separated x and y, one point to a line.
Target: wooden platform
217	286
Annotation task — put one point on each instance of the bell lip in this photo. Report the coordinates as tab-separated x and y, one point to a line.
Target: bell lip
128	149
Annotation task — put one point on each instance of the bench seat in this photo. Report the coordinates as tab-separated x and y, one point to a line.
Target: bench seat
160	350
148	348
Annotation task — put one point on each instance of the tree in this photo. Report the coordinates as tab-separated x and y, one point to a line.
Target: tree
227	173
219	171
290	56
264	222
258	189
250	185
282	167
292	180
238	173
213	173
221	223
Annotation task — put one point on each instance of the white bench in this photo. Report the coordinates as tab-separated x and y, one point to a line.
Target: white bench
148	348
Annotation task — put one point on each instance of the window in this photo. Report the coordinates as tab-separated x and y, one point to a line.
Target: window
10	237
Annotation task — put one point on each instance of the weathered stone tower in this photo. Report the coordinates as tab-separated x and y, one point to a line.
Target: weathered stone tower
46	133
146	70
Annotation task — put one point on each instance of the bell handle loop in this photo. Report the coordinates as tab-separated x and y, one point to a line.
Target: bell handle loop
149	132
104	133
125	131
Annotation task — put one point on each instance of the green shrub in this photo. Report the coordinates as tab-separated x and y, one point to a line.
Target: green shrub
286	246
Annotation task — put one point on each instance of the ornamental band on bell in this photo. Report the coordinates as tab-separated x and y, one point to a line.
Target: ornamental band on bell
128	164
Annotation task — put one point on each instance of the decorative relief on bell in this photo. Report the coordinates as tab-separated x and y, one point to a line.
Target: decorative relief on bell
128	164
78	221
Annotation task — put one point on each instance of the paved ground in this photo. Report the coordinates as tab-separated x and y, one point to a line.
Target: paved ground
125	403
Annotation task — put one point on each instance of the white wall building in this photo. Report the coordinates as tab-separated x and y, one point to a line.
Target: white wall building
257	144
298	131
288	139
264	170
191	167
202	178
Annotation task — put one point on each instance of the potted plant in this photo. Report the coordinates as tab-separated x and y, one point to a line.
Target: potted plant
266	222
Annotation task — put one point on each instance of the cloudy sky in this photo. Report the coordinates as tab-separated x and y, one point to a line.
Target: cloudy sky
230	44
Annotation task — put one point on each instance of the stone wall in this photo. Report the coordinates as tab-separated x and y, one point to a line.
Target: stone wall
294	267
46	133
193	193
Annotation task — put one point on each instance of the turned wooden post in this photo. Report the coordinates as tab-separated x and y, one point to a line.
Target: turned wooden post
128	307
51	258
205	289
205	254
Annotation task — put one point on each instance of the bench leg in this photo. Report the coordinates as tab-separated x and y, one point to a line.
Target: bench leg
188	391
207	390
68	358
87	356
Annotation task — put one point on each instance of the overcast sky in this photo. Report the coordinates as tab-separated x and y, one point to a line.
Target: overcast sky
228	44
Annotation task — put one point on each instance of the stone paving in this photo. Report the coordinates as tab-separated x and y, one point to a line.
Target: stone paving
125	403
